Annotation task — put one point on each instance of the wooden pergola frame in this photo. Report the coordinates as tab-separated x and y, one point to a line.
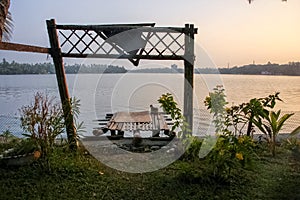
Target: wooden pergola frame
117	41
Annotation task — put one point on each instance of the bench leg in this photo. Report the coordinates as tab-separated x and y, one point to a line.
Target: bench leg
121	133
112	132
155	133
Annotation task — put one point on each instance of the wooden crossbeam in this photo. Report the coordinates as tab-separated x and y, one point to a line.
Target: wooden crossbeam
23	47
144	27
116	56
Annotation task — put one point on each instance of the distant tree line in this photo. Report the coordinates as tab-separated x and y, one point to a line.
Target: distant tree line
290	69
48	68
157	70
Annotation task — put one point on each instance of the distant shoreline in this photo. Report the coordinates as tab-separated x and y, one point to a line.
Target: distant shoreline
13	68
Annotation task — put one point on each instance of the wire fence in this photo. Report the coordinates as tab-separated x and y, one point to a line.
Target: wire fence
13	124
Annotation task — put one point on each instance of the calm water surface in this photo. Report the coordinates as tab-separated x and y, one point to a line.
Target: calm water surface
103	93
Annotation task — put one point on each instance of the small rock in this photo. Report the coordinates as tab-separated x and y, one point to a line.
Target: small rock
147	149
97	132
114	146
154	148
171	150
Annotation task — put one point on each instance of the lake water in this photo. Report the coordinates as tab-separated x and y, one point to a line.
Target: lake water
107	93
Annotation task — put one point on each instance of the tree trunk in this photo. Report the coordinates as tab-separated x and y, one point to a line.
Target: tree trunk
249	128
4	6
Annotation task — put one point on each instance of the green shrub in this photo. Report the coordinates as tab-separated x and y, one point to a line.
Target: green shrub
193	149
257	112
43	120
21	147
8	141
230	153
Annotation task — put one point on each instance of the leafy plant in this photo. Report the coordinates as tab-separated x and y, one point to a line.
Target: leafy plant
227	120
272	125
234	149
170	106
216	102
257	109
295	132
43	120
258	112
233	119
291	143
230	153
79	126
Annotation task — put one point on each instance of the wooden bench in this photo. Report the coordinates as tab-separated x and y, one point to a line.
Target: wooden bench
135	121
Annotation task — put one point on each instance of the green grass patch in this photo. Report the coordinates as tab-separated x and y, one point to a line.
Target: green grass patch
80	176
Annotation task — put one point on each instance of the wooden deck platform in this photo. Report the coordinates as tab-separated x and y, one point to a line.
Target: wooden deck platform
136	122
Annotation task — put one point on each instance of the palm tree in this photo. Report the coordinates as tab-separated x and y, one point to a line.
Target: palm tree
6	24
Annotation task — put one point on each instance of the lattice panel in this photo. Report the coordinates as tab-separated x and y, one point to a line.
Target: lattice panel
164	44
133	44
85	42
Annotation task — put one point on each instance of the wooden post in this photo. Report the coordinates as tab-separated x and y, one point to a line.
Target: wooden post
188	75
55	52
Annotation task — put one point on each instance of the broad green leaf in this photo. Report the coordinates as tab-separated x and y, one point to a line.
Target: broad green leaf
259	125
295	132
282	120
273	121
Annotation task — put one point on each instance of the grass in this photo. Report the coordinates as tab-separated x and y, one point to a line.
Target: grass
277	178
80	176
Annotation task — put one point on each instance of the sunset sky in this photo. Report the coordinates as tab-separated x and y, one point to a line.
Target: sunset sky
231	32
